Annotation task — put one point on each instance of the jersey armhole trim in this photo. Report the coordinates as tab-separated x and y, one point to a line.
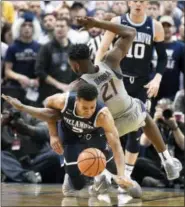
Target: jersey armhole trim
98	114
66	102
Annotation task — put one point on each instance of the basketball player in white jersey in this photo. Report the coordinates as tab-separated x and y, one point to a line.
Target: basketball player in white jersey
136	65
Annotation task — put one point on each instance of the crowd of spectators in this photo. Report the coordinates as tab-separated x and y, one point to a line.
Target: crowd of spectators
35	40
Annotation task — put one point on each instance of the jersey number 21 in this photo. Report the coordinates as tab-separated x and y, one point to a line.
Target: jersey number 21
106	88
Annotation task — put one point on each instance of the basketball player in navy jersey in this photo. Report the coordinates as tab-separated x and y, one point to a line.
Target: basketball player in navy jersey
136	64
81	116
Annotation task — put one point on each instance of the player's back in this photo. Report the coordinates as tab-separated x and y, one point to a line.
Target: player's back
111	89
138	59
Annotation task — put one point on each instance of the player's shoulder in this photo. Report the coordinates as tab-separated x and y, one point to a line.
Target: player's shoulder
157	24
103	114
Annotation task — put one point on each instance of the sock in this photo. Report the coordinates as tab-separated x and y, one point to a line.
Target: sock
165	156
128	170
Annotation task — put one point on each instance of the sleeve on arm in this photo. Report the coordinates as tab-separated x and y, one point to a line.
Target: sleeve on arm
42	62
162	57
10	55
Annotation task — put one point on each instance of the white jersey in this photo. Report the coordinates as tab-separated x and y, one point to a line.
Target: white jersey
125	110
111	89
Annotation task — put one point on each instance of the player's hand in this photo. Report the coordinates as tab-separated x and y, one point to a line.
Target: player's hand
13	101
153	88
86	22
123	182
56	145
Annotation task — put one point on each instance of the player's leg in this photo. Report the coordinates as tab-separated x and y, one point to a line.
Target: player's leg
73	179
135	89
172	165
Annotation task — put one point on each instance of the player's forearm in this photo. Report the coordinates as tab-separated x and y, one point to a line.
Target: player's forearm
117	153
121	30
104	46
44	114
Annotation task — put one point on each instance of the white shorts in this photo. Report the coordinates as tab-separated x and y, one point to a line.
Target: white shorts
132	119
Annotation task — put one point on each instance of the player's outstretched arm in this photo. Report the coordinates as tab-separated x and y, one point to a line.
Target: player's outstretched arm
44	114
105	120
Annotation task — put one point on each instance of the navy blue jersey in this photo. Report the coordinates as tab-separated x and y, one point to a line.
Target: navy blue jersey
175	64
75	123
138	59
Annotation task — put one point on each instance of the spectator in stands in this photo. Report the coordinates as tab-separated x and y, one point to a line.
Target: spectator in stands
63	12
52	62
179	102
26	155
21	55
154	9
119	7
170	82
173	132
103	5
35	8
8	11
170	9
6	34
21	7
49	22
181	30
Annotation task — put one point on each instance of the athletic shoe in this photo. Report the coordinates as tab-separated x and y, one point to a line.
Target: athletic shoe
172	169
99	187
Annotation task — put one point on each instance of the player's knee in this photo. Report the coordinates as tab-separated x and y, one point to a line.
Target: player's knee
133	142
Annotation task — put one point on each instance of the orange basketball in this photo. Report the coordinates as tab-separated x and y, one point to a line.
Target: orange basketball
91	162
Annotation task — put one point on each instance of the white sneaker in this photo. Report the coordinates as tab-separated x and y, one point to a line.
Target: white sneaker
99	187
172	169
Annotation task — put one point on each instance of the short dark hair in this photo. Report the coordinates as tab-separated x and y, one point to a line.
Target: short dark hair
79	52
87	91
157	3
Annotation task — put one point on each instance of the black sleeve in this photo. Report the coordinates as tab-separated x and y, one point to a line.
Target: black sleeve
43	62
162	57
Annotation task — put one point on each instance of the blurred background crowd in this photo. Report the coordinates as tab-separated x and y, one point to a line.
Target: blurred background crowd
35	40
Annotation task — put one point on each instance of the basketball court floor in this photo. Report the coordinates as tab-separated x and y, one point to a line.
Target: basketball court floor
51	195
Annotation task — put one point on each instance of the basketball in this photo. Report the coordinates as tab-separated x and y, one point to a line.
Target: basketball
91	162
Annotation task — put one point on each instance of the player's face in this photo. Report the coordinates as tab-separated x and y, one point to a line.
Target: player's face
138	8
86	108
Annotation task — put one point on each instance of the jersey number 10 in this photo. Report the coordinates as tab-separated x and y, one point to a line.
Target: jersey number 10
136	51
106	88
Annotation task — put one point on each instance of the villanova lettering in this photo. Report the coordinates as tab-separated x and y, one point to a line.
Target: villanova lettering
77	124
103	77
143	38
